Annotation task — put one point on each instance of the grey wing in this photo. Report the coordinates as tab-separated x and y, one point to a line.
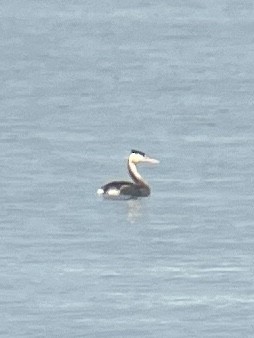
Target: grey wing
129	189
115	185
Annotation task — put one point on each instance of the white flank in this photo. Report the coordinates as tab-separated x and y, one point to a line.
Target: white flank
113	192
100	191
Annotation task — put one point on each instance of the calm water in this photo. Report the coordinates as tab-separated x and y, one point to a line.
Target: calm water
83	82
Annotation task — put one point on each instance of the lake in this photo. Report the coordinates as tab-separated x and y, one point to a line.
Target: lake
83	83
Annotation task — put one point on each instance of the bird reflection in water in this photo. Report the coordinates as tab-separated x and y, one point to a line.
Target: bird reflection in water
134	210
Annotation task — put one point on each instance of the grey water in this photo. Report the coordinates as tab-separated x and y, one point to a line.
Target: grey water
84	82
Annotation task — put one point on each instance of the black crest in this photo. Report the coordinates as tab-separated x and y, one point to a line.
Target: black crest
138	152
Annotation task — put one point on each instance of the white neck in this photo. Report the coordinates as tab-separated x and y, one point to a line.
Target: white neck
137	178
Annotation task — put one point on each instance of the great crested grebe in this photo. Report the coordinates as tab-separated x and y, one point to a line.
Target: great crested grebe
125	189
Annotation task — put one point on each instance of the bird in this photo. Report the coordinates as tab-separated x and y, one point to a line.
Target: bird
129	190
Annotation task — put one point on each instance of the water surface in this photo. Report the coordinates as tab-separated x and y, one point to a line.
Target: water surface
81	84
